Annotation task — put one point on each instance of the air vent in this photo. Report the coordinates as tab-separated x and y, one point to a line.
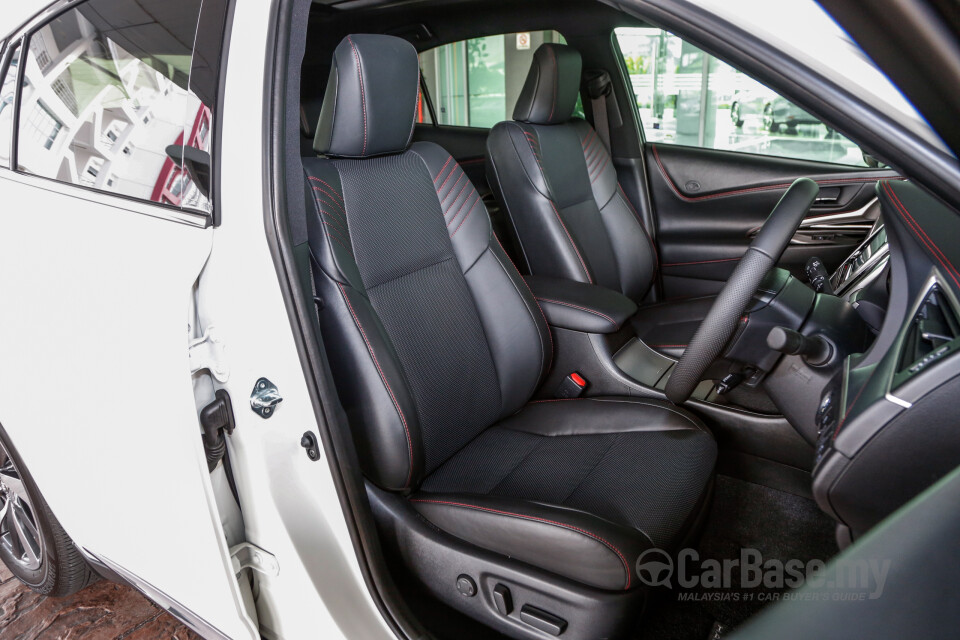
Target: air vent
932	333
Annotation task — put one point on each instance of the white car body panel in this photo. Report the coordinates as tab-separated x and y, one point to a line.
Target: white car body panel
290	504
96	390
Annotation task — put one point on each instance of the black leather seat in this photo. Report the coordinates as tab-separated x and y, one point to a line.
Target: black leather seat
555	179
437	346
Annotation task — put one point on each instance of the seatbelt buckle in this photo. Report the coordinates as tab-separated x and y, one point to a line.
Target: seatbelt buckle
572	386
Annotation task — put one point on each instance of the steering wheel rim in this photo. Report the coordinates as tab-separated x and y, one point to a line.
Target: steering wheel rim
721	321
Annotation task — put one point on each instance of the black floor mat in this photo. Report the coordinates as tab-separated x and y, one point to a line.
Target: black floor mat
780	526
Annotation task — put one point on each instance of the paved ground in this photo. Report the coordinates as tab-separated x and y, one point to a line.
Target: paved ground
102	611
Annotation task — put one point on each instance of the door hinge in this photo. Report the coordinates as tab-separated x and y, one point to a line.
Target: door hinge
206	352
249	556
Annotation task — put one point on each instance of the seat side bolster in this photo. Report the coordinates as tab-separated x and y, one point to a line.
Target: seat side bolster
327	227
633	247
568	542
520	185
374	392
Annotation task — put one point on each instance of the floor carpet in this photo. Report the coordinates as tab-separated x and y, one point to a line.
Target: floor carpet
780	526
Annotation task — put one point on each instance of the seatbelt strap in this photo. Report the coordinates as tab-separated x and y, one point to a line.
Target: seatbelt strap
600	122
606	115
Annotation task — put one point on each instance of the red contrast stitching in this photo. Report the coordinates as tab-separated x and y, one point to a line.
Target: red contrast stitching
769	187
363	98
922	235
567	304
587	142
332	201
442	169
563	525
683	264
459	193
396	404
469	211
338	226
328	185
340	229
603	165
449	175
335	238
583	264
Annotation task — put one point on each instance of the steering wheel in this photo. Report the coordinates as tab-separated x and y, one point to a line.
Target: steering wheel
724	316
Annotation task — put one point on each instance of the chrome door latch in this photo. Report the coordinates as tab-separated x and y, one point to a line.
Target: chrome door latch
265	398
206	352
249	556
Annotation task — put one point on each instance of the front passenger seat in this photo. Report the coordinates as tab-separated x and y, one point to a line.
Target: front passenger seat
438	346
555	179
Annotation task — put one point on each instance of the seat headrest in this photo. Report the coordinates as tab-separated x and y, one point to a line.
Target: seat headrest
550	92
371	99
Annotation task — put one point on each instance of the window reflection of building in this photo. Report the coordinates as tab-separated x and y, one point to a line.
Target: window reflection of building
45	126
95	115
477	82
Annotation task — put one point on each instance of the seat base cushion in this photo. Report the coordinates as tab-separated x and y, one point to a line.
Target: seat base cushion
669	326
580	487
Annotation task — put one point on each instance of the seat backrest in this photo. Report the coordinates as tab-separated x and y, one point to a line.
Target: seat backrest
555	179
430	331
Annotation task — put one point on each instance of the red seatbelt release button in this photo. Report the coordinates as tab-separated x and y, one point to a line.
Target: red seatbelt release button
572	386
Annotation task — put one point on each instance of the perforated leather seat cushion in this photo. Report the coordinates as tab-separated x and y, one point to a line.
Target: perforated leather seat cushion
615	458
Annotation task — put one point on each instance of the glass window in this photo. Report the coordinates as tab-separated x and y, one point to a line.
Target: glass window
688	97
107	100
476	82
7	95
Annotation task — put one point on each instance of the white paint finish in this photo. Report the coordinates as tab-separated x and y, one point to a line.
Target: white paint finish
96	391
16	13
95	388
290	504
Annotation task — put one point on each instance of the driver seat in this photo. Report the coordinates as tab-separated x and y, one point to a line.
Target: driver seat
554	177
437	347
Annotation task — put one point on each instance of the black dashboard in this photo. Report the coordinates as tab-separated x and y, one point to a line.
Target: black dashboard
888	426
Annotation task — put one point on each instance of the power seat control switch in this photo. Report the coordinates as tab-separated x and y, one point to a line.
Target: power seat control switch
540	619
502	599
572	386
466	586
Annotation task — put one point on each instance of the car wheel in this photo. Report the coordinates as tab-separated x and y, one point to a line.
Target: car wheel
735	115
792	129
33	545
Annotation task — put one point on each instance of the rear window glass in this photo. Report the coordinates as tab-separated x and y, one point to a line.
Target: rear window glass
476	82
107	100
